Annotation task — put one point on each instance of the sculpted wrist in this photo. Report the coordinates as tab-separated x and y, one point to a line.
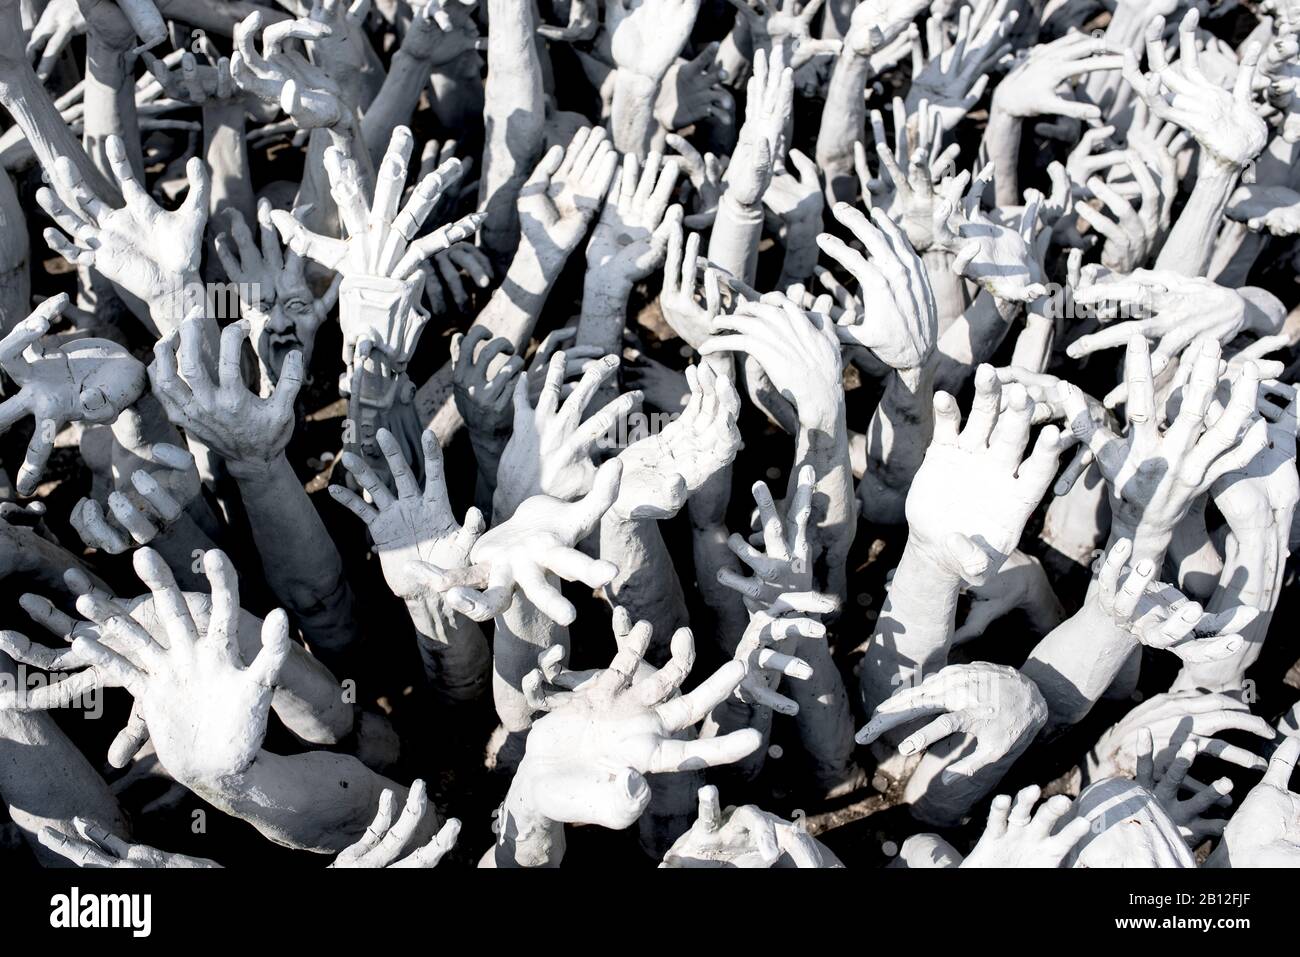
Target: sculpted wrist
259	470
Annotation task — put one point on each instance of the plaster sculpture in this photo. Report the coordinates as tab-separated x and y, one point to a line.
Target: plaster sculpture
786	337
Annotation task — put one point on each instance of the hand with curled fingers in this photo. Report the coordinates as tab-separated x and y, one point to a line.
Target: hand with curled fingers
94	847
443	276
1048	393
785	24
999	259
282	76
769	647
692	91
995	705
1178	310
442	30
745	837
799	351
1131	236
1159	616
577	360
83	380
785	563
1275	209
1021	585
142	508
202	84
148	251
247	431
483	376
388	842
1018	836
1174	718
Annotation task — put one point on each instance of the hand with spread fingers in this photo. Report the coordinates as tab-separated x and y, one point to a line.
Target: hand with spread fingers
148	251
83	380
531	550
1189	813
381	257
414	529
895	282
601	733
1224	122
1172	311
1154	475
247	431
976	488
282	76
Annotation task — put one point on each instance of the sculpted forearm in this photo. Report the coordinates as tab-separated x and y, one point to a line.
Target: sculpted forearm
513	115
226	149
825	446
733	246
316	801
1190	245
522	633
646	584
844	118
914	630
454	652
45	780
302	566
896	442
1075	664
632	121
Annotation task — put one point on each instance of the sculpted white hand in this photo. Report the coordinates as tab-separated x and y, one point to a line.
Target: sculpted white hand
387	842
86	380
